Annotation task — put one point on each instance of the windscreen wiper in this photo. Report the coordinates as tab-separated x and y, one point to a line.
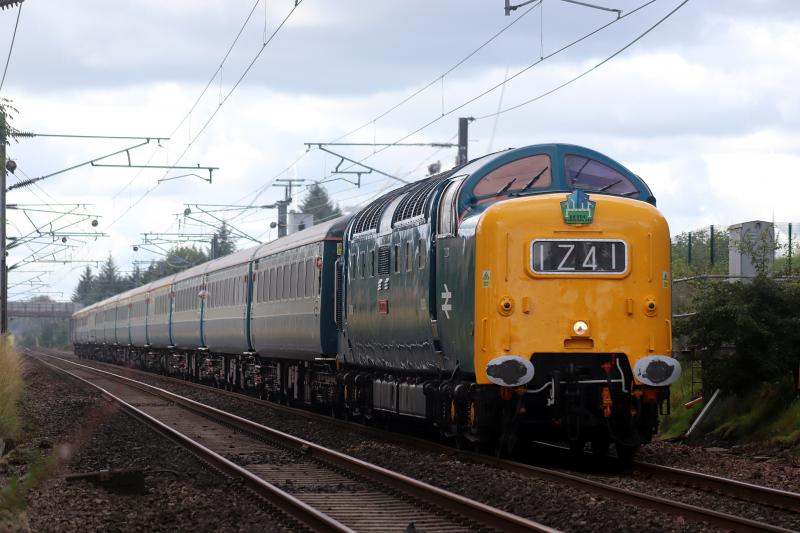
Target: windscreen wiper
534	180
505	187
580	170
603	189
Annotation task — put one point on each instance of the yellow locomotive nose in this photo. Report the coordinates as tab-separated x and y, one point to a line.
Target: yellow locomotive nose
594	287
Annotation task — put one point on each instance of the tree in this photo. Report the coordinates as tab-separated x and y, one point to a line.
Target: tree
108	282
221	243
83	292
699	262
318	203
747	332
177	259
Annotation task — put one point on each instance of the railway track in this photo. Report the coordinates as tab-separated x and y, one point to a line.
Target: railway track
322	488
745	492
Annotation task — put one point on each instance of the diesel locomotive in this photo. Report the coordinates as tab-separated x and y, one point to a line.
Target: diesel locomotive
523	295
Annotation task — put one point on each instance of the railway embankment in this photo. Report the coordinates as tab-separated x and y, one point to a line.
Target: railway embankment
53	479
744	349
763	422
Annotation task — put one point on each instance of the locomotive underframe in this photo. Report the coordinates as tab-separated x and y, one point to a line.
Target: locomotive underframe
590	399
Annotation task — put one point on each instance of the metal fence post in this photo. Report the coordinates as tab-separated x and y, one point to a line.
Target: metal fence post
711	246
690	248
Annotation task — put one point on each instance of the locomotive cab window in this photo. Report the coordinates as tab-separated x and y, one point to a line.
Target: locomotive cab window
590	175
528	173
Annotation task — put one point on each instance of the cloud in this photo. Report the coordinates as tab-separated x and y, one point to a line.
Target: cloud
704	108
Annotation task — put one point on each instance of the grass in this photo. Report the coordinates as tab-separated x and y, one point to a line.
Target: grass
680	418
770	415
11	385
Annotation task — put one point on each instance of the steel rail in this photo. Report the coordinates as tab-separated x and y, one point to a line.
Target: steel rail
731	487
292	506
461	506
655	503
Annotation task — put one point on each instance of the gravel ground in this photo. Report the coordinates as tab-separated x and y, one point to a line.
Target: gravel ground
180	493
753	465
554	505
646	484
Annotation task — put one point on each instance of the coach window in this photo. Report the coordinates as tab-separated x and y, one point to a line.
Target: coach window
301	278
309	277
287	273
293	280
523	174
272	283
279	288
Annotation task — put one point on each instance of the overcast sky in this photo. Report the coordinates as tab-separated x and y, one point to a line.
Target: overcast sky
704	107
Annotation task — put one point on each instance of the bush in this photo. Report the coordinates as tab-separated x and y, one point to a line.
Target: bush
10	388
749	333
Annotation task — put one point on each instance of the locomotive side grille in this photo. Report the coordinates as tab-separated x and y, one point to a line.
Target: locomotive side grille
384	253
414	202
370	217
339	294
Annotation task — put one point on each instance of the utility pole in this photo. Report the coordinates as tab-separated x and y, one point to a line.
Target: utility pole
283	205
463	139
3	223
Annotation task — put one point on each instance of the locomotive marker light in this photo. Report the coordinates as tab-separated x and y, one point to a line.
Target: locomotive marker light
580	328
657	370
509	371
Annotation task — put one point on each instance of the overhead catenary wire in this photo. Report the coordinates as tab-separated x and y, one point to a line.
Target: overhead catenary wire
515	75
220	67
214	113
11	48
589	70
208	121
438	79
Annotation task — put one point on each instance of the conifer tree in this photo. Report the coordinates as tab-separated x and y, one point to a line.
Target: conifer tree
318	203
83	291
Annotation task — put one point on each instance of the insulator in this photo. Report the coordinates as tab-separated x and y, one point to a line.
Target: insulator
25	134
9	3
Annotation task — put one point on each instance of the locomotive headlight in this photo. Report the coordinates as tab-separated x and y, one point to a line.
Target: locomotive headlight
580	328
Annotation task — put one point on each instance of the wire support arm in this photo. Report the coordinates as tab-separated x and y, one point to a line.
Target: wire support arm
358	173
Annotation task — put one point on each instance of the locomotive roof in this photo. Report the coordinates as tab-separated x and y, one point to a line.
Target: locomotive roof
418	192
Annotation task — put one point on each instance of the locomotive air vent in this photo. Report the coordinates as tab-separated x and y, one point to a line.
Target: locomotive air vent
383	260
413	204
369	218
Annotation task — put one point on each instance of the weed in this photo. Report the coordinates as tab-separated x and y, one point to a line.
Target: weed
11	385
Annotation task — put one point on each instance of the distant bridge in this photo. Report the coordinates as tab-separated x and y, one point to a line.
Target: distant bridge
42	309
